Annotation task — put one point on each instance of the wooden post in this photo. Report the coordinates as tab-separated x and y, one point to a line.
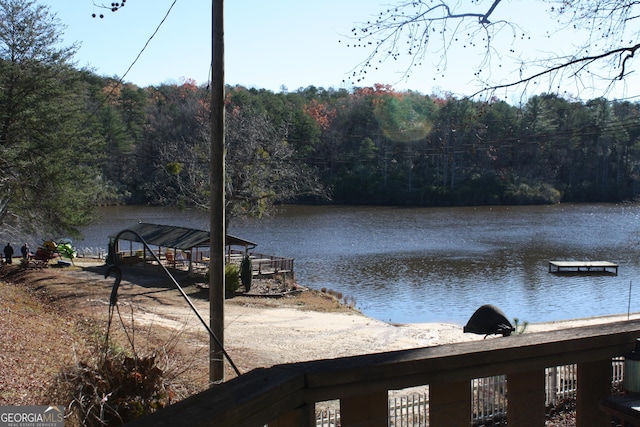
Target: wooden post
370	410
526	398
217	203
450	404
594	384
305	416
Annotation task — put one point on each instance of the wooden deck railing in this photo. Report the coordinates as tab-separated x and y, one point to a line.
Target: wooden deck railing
285	395
263	264
271	264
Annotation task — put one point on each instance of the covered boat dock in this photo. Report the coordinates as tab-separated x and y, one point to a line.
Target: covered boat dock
188	248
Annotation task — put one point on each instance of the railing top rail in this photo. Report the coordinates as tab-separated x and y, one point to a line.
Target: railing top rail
468	360
264	394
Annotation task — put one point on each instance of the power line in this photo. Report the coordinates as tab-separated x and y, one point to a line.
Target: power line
120	81
148	41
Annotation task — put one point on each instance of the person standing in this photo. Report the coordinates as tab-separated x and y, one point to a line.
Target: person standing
25	251
8	253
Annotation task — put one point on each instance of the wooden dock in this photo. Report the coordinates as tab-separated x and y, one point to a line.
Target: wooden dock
583	267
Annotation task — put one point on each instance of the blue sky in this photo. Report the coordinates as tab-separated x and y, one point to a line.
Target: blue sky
267	44
276	44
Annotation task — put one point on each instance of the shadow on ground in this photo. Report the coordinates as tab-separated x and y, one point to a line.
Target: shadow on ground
153	277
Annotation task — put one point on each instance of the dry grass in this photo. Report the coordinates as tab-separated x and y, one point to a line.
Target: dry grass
52	341
36	341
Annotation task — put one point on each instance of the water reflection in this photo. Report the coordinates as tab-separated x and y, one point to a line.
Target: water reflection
423	265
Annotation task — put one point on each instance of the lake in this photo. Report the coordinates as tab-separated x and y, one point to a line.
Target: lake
414	265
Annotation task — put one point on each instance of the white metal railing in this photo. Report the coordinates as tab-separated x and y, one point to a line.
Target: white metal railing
410	410
489	398
91	252
328	418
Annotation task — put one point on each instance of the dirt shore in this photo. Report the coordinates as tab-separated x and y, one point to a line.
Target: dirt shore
72	305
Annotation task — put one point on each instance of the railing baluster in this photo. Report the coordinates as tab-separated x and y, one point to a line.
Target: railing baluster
450	404
594	384
526	400
411	421
552	385
365	410
303	416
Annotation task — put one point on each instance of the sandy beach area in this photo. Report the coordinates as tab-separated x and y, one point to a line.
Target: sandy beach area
262	332
258	332
282	334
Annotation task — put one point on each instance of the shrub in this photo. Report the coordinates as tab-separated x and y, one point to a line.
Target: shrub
118	390
519	328
523	193
231	277
246	273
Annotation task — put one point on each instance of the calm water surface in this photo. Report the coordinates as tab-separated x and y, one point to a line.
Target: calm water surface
411	265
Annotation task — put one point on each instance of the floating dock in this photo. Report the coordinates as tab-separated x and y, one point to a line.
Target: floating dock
583	267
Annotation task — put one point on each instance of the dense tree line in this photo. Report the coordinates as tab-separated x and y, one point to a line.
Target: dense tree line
369	146
71	140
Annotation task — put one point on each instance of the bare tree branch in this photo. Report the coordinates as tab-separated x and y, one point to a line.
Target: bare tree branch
583	62
414	30
409	28
485	18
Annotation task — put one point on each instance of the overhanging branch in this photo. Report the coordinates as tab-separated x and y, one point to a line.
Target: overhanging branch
628	53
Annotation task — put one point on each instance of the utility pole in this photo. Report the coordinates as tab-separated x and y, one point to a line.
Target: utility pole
217	203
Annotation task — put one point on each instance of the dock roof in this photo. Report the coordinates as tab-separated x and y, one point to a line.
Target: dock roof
171	236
